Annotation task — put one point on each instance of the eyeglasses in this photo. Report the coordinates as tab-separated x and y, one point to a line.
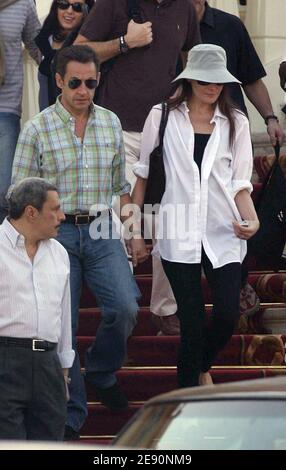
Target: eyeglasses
75	83
200	82
77	6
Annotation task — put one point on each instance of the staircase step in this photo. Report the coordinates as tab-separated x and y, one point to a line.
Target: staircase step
102	421
90	317
144	383
97	440
105	423
276	287
162	350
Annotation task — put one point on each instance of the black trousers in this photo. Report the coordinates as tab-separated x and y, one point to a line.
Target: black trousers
32	394
200	342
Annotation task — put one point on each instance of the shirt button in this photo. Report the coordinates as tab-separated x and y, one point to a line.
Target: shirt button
86	166
87	186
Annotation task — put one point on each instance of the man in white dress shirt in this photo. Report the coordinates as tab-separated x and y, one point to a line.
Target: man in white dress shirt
35	315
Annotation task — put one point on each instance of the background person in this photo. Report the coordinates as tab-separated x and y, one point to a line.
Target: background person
18	23
60	29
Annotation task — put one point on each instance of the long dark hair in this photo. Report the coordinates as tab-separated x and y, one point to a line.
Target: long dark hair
225	104
51	22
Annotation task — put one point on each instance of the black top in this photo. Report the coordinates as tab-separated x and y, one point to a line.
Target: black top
47	65
228	31
201	141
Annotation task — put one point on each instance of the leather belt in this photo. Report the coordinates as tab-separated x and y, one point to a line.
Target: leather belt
28	343
84	219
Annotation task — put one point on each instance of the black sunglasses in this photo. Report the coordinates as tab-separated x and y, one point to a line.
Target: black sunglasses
90	83
77	6
208	83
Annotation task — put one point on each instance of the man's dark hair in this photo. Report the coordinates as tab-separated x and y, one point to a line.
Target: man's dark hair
81	54
28	192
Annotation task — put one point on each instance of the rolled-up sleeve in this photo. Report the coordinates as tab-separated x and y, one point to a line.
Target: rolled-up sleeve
242	156
120	185
65	352
149	141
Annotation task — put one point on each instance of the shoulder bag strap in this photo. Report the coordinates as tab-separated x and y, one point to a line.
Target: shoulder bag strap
274	166
134	11
163	123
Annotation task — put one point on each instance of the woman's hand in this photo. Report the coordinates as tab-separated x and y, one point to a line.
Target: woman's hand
245	232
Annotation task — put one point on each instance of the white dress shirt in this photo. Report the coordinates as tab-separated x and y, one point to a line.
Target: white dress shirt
199	212
35	296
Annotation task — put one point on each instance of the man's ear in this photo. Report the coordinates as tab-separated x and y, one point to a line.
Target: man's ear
31	212
59	81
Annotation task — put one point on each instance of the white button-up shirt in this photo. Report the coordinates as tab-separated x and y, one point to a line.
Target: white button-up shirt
199	211
35	296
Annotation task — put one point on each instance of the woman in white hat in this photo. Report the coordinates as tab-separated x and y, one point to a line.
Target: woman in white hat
206	212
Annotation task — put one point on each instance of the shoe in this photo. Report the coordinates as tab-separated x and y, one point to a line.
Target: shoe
71	434
249	301
112	397
167	325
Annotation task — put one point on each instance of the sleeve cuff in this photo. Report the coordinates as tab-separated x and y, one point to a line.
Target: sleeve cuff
239	185
123	190
66	358
141	170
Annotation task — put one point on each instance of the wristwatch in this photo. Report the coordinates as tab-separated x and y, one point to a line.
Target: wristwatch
271	116
123	45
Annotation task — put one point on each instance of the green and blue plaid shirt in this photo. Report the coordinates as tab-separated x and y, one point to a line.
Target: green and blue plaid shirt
87	172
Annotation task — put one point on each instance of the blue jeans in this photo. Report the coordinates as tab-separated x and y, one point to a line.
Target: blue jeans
9	132
103	265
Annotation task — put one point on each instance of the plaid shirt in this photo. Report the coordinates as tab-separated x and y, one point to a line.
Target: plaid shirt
86	172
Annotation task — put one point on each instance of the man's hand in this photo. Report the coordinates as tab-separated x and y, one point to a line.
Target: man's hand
138	34
138	251
275	132
67	382
282	75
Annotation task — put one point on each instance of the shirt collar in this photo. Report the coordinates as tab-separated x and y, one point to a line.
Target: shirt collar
66	116
208	17
217	113
14	236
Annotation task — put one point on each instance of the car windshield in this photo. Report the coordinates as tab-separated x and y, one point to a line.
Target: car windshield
212	425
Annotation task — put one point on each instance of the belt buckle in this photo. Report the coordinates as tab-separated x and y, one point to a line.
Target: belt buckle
34	348
85	218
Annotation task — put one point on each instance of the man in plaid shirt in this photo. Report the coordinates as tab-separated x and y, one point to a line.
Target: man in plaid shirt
78	146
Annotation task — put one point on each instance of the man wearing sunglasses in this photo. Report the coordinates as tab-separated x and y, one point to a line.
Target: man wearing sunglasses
78	146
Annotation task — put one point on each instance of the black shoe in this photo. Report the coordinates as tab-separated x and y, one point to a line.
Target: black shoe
71	434
112	397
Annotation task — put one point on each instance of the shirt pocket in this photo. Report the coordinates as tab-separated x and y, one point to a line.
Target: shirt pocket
52	287
58	160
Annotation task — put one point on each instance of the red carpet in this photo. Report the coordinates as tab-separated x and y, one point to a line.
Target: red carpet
150	366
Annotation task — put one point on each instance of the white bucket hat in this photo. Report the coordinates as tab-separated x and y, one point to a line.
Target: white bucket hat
207	62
